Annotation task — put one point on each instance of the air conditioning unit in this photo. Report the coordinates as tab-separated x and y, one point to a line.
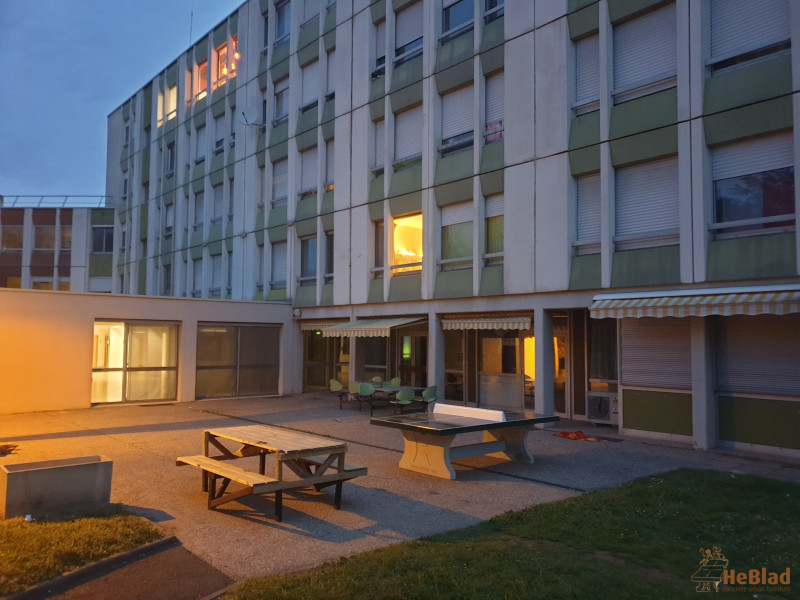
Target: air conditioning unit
602	408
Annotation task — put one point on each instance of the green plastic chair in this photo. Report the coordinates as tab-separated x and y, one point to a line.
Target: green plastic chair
395	382
366	391
428	396
377	380
337	388
352	390
403	398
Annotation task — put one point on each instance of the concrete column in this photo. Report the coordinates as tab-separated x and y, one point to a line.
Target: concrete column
435	354
704	405
545	362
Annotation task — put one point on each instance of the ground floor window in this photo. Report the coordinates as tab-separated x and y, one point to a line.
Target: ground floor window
133	362
237	360
324	358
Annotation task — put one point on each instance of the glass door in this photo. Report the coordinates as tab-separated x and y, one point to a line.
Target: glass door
412	355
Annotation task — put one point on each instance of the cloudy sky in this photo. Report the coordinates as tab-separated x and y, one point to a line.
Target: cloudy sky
66	65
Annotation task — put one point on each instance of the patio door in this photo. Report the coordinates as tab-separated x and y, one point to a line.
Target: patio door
412	358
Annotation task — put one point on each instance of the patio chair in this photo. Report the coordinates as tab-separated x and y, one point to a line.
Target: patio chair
353	389
428	397
366	391
404	398
377	380
337	388
395	382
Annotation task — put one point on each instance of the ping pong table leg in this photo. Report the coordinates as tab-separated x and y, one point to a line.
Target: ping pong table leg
514	438
429	454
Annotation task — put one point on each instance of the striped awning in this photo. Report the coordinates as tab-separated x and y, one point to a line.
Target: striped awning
773	300
515	322
318	325
368	327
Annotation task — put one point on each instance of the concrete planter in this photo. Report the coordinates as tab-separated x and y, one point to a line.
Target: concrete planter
54	486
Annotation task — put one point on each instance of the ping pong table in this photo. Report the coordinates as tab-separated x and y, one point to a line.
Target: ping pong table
428	436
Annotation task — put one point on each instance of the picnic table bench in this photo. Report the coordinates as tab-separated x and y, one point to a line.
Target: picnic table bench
314	461
428	437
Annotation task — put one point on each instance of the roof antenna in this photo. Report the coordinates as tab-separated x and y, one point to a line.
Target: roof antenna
191	21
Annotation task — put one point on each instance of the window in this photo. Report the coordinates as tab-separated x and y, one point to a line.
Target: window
66	237
310	85
647	205
216	215
457	120
308	261
216	275
166	280
408	27
493	9
456	236
328	257
742	31
197	277
12	232
102	240
754	186
587	237
380	50
169	164
308	172
495	107
587	75
380	248
201	81
231	187
160	109
127	135
281	113
199	210
188	89
494	211
200	143
169	221
407	138
330	164
172	102
222	66
44	237
457	18
645	54
380	147
310	10
407	250
266	35
278	280
280	182
331	65
219	135
124	188
282	22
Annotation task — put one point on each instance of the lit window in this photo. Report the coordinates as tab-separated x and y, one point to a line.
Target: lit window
308	260
12	237
201	81
222	66
172	102
102	240
754	186
380	241
407	251
160	109
456	236
494	210
44	237
457	18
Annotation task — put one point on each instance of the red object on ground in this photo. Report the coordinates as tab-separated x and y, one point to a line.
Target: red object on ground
575	435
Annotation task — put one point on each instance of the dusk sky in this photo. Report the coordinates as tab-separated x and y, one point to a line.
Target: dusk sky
66	65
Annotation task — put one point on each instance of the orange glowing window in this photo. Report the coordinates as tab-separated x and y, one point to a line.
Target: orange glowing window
407	251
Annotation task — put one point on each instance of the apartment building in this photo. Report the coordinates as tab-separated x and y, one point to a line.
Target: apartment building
56	243
586	207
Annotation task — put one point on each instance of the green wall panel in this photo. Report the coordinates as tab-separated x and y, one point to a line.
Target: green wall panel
277	294
765	117
663	412
280	70
147	104
584	130
329	40
493	60
305	227
759	421
307	139
755	257
573	5
143	221
279	134
327	222
278	234
762	80
145	166
306	208
280	54
100	265
327	203
406	97
453	193
375	210
102	216
406	180
492	281
492	156
308	39
305	296
328	111
456	165
492	183
644	146
375	291
493	34
584	22
375	189
453	284
620	10
455	51
377	109
377	89
649	266
279	151
378	10
330	19
326	296
277	216
584	272
644	114
405	287
307	120
408	203
406	74
584	160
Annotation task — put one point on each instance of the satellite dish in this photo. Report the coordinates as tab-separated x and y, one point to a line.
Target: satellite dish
249	116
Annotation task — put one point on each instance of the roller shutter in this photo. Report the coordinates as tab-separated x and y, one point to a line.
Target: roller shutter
587	69
647	198
739	26
645	49
655	353
457	113
589	208
408	133
495	98
753	156
308	176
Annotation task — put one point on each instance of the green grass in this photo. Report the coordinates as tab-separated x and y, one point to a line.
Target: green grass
641	540
34	552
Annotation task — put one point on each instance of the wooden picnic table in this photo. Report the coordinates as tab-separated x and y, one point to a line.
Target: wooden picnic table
302	460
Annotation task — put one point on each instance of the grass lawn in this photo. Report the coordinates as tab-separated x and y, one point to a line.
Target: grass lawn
40	550
641	540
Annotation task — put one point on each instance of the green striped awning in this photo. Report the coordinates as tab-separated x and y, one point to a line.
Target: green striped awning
773	300
368	327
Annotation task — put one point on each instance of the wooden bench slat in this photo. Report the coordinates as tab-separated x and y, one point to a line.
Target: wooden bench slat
226	469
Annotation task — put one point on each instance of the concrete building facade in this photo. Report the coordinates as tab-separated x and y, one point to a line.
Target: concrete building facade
583	206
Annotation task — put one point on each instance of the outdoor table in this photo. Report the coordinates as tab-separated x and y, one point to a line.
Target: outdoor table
428	436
